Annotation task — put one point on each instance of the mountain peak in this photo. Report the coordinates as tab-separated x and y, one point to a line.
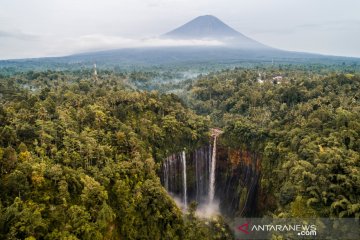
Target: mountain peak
206	26
211	27
208	17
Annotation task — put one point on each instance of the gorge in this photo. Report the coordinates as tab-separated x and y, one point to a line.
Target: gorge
219	179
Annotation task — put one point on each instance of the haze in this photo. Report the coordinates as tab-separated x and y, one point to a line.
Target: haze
38	28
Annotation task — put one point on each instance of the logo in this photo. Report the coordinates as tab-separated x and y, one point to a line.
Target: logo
296	228
244	228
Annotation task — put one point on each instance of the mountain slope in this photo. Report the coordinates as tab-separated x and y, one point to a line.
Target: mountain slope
210	27
203	27
236	48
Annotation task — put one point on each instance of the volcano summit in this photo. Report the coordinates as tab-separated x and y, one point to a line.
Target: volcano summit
211	28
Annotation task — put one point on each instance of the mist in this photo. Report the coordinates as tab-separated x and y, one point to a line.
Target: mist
53	47
36	28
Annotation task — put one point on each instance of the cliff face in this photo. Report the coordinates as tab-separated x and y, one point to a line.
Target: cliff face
237	186
237	175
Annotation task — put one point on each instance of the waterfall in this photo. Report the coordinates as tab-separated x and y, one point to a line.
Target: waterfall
212	173
202	158
208	176
191	176
174	177
166	173
183	159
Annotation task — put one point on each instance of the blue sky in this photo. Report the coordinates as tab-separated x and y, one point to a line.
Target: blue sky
35	28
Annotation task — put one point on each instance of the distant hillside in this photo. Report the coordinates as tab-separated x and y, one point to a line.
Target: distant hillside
236	48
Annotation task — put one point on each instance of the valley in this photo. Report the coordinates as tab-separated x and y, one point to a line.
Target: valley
179	141
105	152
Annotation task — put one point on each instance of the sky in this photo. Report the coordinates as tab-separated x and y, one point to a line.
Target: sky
40	28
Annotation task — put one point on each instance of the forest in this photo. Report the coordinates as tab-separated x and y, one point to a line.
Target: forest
305	127
80	154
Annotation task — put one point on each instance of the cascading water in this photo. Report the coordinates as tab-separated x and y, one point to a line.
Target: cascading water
201	158
174	177
183	159
215	177
212	173
193	179
188	180
166	173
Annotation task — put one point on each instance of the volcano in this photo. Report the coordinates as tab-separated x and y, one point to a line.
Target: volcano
232	47
206	26
209	27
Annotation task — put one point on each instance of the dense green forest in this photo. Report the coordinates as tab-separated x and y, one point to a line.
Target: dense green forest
79	154
78	160
306	127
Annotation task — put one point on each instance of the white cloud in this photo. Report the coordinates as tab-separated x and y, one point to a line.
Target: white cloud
286	24
102	42
47	46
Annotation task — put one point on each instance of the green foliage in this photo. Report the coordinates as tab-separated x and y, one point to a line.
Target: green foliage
78	159
202	229
305	127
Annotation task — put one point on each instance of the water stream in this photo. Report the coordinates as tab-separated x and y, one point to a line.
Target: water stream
212	173
183	159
